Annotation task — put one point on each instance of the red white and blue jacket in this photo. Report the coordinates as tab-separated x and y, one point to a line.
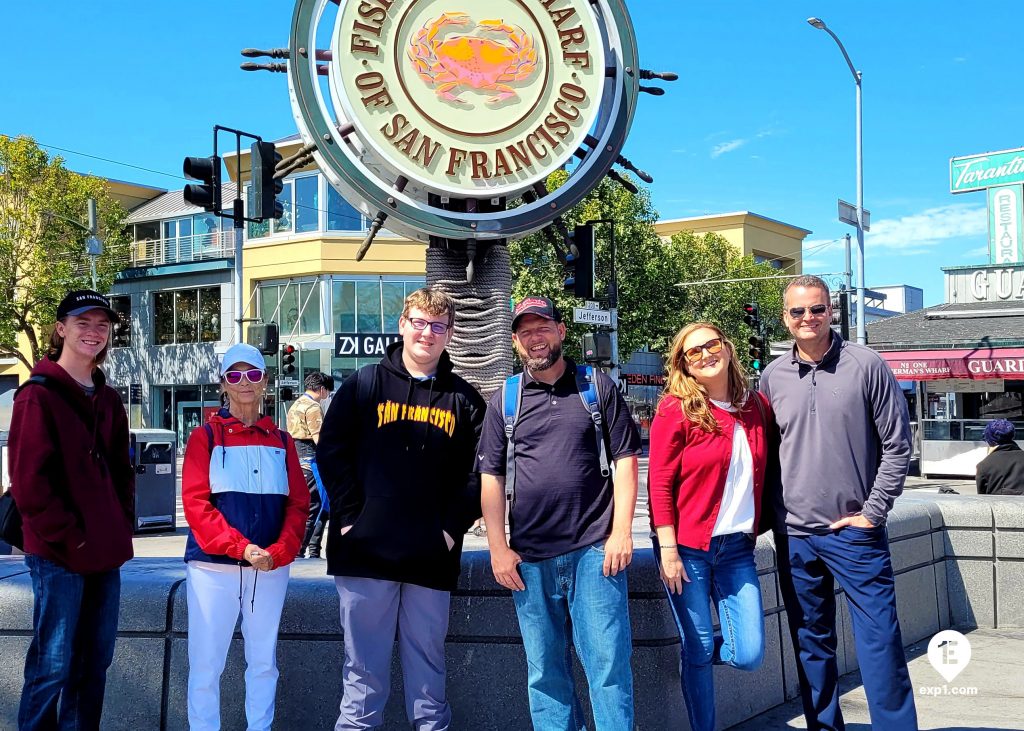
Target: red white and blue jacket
244	487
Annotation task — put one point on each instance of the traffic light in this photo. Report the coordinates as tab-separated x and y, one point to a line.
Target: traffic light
579	267
840	315
597	347
264	186
264	337
756	352
286	394
288	360
206	193
752	316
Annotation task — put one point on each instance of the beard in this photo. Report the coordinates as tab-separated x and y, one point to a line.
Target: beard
542	364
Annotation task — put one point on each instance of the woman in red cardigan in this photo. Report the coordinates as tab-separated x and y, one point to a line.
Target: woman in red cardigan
706	474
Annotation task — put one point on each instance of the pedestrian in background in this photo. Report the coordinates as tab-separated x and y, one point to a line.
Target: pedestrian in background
305	417
397	455
1002	470
844	452
246	502
709	451
551	438
74	485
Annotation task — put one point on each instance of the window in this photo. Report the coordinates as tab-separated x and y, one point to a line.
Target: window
307	196
280	225
177	240
341	215
121	337
186	316
369	305
294	306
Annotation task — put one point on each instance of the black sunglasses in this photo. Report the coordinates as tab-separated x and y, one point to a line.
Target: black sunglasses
797	312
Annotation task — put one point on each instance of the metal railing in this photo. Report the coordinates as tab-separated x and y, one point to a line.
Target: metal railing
154	252
961	430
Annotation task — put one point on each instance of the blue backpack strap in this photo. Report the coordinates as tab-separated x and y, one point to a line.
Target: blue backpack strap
511	401
209	436
589	387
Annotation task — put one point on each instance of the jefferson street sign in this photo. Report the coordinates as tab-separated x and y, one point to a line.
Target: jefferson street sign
363	345
591	317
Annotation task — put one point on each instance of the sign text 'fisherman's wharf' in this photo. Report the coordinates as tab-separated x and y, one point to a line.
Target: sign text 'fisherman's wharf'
466	98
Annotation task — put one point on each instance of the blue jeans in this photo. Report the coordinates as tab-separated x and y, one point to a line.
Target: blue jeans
725	574
572	589
858	558
74	623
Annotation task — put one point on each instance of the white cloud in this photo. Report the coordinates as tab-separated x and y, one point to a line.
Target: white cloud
973	255
919	232
723	147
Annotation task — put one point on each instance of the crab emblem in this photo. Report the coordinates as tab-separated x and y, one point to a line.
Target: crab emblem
476	60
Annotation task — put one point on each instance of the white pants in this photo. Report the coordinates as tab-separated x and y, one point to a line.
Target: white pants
213	607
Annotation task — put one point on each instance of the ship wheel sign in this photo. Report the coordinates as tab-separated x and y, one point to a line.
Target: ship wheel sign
434	114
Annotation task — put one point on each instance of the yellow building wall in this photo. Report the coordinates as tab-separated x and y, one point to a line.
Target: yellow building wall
319	254
14	367
750	233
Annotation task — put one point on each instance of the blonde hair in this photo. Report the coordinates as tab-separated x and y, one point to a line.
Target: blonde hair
432	301
693	397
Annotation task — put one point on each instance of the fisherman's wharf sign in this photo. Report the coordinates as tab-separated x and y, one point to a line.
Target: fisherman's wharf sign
435	114
467	97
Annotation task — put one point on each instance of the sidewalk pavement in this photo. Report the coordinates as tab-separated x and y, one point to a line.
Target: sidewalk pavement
987	695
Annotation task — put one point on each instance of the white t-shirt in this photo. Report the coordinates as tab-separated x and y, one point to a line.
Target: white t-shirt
737	512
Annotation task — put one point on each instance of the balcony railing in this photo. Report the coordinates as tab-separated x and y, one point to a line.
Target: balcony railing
154	252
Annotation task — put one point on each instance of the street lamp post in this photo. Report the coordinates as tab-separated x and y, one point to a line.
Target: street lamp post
857	76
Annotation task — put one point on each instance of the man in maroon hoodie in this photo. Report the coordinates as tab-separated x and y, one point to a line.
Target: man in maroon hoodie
73	482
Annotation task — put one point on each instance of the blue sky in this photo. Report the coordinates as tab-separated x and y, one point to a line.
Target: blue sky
762	118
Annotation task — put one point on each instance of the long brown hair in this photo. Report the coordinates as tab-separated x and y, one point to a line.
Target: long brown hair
693	397
56	346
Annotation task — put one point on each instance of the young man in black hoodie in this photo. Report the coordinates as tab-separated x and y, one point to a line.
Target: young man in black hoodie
397	456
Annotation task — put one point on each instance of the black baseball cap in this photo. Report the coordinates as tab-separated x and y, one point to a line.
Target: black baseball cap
533	305
81	301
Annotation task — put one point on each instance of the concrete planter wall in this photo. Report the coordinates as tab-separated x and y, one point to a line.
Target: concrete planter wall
959	563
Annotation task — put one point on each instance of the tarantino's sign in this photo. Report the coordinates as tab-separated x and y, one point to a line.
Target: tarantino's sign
465	97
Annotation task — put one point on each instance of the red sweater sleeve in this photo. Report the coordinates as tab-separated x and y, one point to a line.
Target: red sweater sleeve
663	473
32	452
212	531
286	548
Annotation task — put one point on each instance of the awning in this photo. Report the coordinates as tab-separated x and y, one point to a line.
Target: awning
976	364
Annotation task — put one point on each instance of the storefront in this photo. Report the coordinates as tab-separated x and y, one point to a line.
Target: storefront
964	361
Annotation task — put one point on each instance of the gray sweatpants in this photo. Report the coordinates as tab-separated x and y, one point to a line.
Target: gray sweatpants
372	613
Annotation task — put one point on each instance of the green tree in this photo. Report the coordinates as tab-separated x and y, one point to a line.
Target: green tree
41	255
536	269
697	258
652	307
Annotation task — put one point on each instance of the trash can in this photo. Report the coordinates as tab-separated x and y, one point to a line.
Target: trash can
156	482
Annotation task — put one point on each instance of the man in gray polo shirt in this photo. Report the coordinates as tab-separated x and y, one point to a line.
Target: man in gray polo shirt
571	527
844	453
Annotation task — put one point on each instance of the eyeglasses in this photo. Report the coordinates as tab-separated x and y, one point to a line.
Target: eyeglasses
695	353
438	328
253	375
797	312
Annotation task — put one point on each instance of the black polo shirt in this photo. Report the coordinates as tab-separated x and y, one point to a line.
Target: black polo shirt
561	500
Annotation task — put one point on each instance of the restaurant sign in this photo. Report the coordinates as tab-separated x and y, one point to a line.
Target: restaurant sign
1006	224
933	365
987	170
